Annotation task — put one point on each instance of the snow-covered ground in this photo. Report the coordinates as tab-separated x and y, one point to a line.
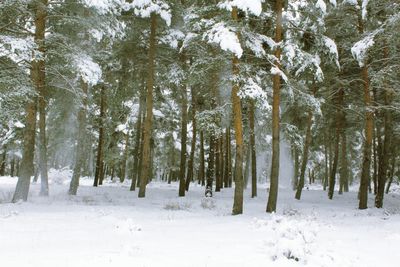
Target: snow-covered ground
110	226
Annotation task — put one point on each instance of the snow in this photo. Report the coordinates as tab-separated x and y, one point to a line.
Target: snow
225	37
252	6
110	226
144	8
360	49
89	70
364	9
333	2
321	5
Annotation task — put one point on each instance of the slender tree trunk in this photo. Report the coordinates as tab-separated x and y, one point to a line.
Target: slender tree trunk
12	167
99	160
344	168
383	164
332	178
3	162
246	175
217	166
226	161
369	125
190	172
79	154
393	165
375	165
304	161
182	169
124	158
149	108
253	150
202	160
307	144
237	122
276	87
296	168
136	151
210	167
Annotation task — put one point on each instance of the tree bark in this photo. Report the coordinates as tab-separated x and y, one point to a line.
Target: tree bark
276	87
202	160
383	164
38	79
253	150
136	151
190	172
369	125
182	169
149	108
237	122
99	159
338	122
124	159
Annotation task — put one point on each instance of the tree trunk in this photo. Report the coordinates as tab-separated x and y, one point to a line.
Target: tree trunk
3	162
369	125
99	160
304	161
210	167
182	168
202	160
26	168
339	123
296	168
190	172
237	123
149	108
136	151
217	166
124	159
253	150
276	87
38	79
344	168
79	156
383	164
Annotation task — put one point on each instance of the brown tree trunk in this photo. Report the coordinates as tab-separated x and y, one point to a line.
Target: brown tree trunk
296	168
99	161
210	167
339	123
304	161
202	160
3	162
276	88
383	164
307	144
182	168
124	158
344	168
226	161
217	166
136	151
79	154
369	125
38	79
147	129
190	172
237	123
253	150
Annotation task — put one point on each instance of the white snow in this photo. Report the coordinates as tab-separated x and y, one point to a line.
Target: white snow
321	5
89	70
110	226
252	6
144	8
225	37
364	9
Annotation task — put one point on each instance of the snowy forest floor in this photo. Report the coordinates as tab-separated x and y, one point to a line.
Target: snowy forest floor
110	226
